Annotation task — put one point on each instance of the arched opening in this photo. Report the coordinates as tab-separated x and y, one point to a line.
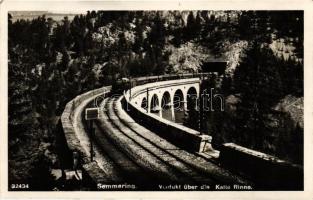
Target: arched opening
144	104
178	100
192	115
191	98
178	103
166	100
166	106
154	105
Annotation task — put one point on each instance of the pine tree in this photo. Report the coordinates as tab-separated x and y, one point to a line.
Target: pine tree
157	42
190	30
198	27
138	45
259	83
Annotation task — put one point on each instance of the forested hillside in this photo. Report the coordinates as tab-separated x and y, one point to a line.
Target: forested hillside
50	62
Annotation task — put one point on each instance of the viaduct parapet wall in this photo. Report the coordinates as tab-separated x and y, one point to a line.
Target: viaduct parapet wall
74	145
180	135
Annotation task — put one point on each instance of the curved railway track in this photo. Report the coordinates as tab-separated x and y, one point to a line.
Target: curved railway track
136	155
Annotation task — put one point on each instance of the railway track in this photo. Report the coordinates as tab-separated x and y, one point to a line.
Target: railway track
207	170
150	166
142	157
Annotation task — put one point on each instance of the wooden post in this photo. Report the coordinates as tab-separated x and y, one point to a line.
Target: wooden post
148	101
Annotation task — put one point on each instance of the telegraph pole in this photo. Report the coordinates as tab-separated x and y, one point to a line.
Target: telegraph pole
201	106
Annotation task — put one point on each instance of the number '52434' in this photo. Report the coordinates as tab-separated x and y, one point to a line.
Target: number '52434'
19	186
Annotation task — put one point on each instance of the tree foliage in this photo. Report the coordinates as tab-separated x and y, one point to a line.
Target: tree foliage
51	62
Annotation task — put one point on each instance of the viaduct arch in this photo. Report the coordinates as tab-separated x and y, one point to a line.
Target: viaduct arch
158	97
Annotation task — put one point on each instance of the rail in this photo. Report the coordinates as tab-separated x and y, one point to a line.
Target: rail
179	135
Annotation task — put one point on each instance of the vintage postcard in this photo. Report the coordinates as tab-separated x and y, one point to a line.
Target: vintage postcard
152	99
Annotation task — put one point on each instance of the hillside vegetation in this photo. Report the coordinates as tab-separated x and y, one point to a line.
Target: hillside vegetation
50	62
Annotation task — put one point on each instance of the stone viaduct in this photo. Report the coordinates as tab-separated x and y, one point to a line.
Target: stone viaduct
132	136
157	96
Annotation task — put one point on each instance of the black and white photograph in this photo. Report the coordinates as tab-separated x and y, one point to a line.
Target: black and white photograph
155	100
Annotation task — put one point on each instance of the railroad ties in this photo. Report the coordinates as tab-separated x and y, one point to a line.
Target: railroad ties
139	156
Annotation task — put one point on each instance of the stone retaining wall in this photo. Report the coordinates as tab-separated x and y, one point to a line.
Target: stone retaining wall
73	143
268	172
